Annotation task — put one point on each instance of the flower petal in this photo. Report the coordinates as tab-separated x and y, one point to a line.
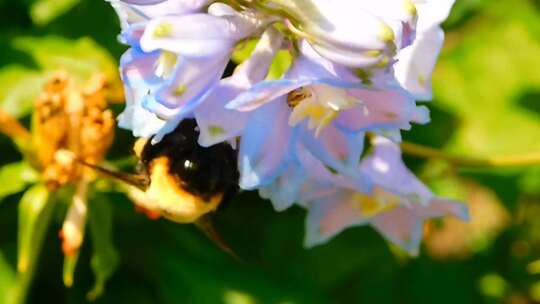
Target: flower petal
195	35
266	146
217	123
285	190
416	63
328	216
192	80
387	169
402	228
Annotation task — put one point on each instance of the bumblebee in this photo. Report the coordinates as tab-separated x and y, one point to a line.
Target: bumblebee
179	179
186	181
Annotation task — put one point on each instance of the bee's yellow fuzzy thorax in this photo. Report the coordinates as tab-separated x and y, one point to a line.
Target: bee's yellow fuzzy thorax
173	202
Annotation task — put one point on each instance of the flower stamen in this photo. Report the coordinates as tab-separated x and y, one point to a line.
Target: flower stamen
370	205
320	104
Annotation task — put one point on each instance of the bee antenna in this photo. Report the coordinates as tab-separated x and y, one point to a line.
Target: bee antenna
139	181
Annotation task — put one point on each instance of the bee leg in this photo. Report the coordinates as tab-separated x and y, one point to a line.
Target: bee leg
206	225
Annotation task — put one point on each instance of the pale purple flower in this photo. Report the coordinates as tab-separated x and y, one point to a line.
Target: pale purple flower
321	106
397	206
175	59
358	67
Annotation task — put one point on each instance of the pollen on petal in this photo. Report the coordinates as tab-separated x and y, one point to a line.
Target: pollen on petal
165	64
215	130
163	30
421	80
179	90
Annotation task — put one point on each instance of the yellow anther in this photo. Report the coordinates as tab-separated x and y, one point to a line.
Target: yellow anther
319	104
373	204
373	53
383	62
386	33
410	8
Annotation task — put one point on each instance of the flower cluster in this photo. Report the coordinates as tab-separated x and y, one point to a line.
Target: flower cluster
358	68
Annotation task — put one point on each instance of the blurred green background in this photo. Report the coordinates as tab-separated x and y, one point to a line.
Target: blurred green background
487	88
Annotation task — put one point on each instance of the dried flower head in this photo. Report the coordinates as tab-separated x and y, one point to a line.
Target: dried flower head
73	118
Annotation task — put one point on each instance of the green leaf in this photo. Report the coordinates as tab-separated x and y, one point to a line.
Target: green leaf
464	9
15	177
45	11
530	181
105	257
81	58
35	214
19	87
485	84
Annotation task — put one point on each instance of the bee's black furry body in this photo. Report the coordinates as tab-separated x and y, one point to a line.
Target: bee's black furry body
202	171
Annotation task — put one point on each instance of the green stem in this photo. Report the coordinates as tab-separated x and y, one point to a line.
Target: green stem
467	161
